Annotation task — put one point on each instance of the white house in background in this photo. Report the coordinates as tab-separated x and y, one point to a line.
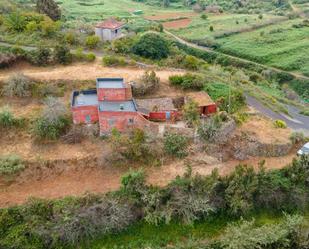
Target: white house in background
109	29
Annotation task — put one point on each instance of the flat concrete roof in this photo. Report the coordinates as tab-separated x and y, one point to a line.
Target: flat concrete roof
110	83
85	98
117	106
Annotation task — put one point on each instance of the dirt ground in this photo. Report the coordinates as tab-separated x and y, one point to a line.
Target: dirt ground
263	129
182	23
171	15
101	180
81	71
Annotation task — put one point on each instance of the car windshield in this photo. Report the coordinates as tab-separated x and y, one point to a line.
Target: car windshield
305	149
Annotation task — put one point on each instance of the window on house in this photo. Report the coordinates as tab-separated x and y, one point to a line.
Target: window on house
116	31
88	119
131	121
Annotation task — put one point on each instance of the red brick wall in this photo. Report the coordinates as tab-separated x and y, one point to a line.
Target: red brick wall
120	121
110	94
80	113
161	116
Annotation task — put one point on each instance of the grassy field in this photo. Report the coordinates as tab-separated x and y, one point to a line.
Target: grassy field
222	24
143	235
94	10
280	45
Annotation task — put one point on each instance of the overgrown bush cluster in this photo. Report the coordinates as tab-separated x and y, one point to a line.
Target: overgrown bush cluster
188	81
148	83
52	224
53	121
134	148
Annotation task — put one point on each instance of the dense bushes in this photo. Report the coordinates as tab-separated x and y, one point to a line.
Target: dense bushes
148	83
10	165
175	145
17	85
40	57
7	119
92	41
133	148
53	121
151	45
62	54
208	129
111	60
188	81
52	224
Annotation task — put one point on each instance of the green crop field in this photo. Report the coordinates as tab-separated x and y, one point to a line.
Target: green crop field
280	45
223	24
94	10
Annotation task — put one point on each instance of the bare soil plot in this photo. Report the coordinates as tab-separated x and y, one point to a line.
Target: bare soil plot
81	71
263	129
176	24
171	15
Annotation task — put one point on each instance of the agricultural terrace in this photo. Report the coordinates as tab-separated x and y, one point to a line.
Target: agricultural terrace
282	45
199	28
94	10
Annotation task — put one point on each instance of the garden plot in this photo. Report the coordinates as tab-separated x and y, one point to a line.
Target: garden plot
199	28
176	24
281	45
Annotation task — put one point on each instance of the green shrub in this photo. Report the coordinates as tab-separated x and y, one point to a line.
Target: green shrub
110	60
133	148
151	45
280	124
188	81
207	130
70	38
190	62
40	57
123	45
92	41
297	137
133	183
305	112
191	113
90	57
211	28
32	27
50	8
17	85
7	119
176	145
53	122
148	83
62	54
10	165
15	22
204	16
49	28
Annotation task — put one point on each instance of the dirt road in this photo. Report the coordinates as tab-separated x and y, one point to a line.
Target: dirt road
77	181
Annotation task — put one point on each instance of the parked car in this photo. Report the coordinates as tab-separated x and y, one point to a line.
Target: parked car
304	150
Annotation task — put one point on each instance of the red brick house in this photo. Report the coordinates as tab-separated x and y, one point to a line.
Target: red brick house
111	104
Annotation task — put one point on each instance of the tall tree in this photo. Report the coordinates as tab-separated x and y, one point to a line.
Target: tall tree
50	8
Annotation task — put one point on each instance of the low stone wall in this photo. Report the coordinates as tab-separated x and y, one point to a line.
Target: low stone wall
243	148
225	132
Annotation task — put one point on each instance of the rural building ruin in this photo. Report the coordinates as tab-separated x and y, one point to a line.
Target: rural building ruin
109	29
112	105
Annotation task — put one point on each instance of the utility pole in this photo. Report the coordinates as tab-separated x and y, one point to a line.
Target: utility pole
229	105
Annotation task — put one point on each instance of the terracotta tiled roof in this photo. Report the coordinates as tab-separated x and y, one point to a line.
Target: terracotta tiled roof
110	23
202	98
